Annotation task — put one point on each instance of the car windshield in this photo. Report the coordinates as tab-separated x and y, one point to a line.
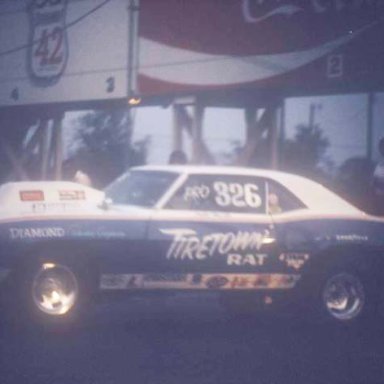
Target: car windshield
140	188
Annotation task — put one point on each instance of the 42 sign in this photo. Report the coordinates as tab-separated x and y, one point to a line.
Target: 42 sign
48	54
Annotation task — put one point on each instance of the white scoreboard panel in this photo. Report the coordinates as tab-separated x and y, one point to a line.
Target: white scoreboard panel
59	51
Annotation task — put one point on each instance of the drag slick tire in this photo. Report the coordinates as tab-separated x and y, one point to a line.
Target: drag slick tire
347	297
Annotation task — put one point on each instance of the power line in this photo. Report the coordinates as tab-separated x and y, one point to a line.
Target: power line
263	63
66	26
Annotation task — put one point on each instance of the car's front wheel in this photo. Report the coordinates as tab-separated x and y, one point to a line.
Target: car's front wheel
53	292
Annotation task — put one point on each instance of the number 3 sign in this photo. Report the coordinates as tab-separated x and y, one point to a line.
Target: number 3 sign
48	52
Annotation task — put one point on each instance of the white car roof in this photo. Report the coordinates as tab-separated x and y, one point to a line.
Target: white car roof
314	195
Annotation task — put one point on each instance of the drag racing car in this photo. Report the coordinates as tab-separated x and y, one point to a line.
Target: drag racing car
258	238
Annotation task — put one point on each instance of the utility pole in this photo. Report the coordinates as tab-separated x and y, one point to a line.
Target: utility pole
370	115
132	70
312	114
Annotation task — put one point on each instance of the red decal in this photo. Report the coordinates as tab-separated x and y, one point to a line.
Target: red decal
31	195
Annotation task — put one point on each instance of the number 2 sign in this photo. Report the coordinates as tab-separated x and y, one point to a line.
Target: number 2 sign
49	47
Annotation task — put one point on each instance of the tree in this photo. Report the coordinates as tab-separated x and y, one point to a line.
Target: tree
305	154
14	126
102	147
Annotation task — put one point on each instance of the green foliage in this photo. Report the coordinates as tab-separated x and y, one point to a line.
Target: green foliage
102	146
305	154
14	127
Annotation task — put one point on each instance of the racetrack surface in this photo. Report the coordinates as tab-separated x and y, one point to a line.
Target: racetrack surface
187	341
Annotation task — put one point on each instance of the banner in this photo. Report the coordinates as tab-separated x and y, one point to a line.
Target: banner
300	46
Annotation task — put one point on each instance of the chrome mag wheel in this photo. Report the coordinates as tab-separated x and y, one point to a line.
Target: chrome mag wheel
55	289
344	296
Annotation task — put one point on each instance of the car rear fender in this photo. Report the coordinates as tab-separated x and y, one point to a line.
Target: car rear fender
366	259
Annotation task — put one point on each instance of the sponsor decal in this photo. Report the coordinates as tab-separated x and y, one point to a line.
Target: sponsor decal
100	233
35	195
196	193
133	281
53	207
146	281
166	281
71	195
159	277
260	281
108	234
120	281
198	281
187	245
36	233
83	233
240	282
351	237
294	260
216	282
247	259
264	281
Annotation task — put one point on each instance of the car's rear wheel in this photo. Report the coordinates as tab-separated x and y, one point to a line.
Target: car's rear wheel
344	296
347	297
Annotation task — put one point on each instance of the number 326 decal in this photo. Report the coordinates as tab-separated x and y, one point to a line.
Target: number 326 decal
237	195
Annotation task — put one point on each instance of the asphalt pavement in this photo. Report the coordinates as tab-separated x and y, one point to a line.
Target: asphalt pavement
189	340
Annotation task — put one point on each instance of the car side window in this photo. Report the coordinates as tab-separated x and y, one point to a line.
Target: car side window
223	193
281	199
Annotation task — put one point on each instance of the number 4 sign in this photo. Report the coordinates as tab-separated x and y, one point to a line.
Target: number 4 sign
48	52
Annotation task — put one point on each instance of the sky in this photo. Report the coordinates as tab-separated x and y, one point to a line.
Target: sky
222	127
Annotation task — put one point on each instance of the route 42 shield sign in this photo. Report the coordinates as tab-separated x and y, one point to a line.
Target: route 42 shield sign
48	53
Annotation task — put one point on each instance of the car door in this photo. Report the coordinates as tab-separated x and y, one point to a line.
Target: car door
214	224
294	237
